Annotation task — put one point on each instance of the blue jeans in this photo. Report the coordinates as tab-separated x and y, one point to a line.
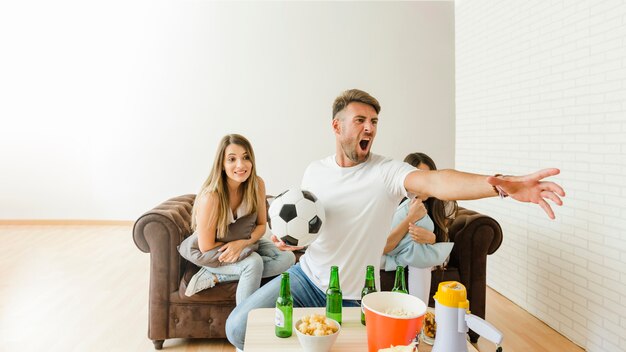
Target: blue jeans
275	261
267	261
303	291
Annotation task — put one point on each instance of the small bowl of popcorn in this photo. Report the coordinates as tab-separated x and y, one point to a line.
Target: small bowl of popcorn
316	332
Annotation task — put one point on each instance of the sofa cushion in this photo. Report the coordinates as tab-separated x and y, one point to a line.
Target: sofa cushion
190	250
238	230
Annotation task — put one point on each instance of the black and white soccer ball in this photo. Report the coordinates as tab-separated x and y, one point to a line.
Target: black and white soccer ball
296	217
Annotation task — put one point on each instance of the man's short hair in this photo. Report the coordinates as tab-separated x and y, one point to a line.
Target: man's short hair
354	95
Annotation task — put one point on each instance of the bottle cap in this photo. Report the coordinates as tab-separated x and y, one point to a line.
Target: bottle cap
452	294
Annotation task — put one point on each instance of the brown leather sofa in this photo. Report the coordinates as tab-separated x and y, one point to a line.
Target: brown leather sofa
174	315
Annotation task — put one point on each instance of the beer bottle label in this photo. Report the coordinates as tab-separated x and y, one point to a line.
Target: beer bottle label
279	318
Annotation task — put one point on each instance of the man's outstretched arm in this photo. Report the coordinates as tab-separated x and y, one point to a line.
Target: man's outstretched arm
457	185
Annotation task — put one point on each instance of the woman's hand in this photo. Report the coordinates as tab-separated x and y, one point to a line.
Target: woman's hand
283	246
417	210
231	251
421	235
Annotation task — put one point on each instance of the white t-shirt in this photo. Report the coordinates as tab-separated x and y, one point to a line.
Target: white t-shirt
359	203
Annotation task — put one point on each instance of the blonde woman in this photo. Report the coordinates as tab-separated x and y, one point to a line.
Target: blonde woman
229	218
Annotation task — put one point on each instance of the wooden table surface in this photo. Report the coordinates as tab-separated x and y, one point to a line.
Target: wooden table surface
260	335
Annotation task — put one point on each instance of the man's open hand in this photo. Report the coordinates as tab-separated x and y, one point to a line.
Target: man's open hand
531	188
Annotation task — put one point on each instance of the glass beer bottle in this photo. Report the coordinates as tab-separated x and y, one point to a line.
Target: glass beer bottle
399	285
284	309
334	296
370	286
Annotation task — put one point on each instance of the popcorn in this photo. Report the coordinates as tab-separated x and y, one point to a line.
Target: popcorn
400	313
316	325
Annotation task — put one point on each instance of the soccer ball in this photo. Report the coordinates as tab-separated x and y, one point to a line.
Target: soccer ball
296	217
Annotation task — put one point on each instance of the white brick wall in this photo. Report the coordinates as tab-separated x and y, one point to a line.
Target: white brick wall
542	83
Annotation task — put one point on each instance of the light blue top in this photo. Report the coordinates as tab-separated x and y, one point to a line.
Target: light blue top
409	252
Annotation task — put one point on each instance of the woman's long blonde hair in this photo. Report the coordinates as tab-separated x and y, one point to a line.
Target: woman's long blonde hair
216	182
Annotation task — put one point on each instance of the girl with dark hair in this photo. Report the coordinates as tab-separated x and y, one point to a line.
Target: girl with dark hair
419	236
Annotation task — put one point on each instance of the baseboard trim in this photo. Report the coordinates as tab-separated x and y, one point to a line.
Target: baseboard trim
33	222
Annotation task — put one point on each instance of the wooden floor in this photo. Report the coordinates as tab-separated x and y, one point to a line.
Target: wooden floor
85	288
522	331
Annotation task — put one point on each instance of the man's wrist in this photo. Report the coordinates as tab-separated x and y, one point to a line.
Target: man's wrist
498	189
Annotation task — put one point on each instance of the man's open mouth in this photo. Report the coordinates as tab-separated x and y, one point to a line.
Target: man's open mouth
364	143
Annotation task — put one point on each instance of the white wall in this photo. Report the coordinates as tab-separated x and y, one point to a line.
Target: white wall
543	84
108	108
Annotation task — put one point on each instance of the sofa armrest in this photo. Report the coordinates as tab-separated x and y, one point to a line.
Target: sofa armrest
158	232
174	214
475	236
471	223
